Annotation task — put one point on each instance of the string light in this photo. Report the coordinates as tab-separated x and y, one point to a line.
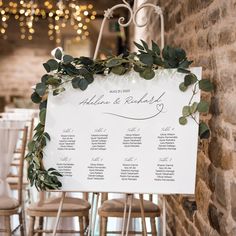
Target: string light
59	15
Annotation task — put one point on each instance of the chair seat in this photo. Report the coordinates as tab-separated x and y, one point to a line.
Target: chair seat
117	205
8	203
52	204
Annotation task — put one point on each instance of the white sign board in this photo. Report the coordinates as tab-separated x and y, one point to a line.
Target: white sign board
122	134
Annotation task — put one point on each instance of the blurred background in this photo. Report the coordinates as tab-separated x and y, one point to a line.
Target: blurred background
30	29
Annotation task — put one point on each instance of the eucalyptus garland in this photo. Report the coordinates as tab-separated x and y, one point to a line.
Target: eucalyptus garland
80	73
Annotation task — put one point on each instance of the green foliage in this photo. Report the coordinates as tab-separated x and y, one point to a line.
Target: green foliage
58	54
57	91
183	120
203	106
190	79
204	132
67	59
182	87
77	82
51	65
35	98
80	73
206	85
42	116
147	73
118	70
40	89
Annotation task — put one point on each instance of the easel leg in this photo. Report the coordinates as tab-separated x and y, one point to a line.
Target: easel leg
124	215
163	216
144	228
129	215
92	220
91	215
59	213
95	215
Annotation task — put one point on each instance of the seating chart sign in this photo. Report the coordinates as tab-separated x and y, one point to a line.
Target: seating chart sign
122	134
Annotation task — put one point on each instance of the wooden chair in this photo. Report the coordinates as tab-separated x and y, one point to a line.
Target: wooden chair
72	207
10	206
13	178
115	208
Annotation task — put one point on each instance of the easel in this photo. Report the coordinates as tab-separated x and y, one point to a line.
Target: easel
129	197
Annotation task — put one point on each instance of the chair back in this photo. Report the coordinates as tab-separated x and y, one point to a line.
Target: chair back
21	164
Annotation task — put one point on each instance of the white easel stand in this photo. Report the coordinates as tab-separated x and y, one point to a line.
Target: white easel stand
59	213
163	215
133	18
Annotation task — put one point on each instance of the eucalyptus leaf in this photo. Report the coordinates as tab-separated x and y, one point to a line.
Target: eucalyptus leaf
31	145
36	98
185	64
193	107
138	68
186	111
165	52
118	70
182	87
42	116
47	135
157	60
53	81
182	70
53	64
114	62
84	60
155	48
183	120
144	45
40	89
45	78
57	91
57	174
46	67
80	83
139	46
206	85
146	59
43	104
58	54
67	59
180	54
203	106
190	79
204	132
147	74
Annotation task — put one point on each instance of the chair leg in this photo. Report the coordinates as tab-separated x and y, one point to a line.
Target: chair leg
86	222
22	223
100	225
103	226
153	226
31	226
8	225
81	226
40	225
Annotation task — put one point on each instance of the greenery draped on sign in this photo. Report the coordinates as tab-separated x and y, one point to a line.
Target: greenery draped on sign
80	73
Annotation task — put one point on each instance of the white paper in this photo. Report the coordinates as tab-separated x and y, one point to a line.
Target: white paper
122	134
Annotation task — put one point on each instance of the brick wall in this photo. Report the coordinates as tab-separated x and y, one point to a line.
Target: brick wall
21	60
206	30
